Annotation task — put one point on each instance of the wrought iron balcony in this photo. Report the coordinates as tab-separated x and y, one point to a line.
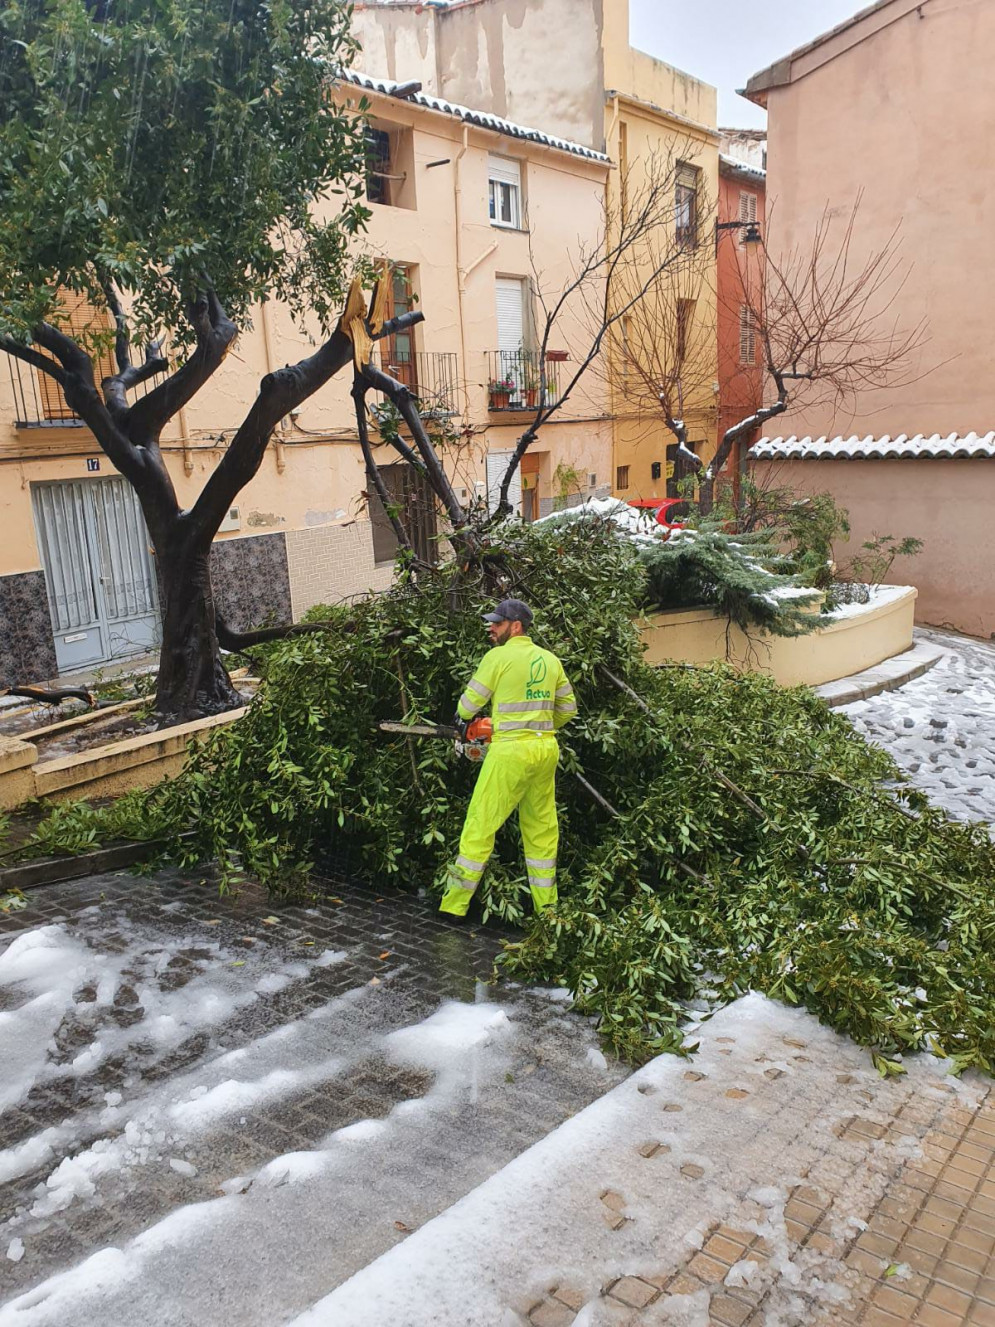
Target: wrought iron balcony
515	378
38	399
433	376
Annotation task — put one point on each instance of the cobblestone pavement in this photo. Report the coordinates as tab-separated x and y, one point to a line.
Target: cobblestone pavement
940	728
167	1045
776	1181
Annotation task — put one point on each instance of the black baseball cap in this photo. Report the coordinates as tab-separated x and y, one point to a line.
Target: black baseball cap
511	610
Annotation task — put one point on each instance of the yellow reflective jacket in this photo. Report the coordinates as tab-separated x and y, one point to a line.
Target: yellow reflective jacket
527	689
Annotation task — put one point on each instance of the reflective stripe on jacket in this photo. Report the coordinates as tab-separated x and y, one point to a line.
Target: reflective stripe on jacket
526	688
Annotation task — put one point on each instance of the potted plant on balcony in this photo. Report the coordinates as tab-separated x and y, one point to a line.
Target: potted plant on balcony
531	381
499	392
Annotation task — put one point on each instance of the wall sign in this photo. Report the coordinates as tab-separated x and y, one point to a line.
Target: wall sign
93	463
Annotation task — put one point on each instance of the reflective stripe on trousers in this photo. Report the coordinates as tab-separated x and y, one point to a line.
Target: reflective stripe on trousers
518	774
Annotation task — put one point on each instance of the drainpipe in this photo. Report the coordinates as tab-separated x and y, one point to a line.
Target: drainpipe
185	442
461	275
613	387
281	459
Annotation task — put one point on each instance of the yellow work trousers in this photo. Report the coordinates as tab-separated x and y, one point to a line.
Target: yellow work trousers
516	773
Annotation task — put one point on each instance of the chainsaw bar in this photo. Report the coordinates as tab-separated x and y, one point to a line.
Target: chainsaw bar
418	729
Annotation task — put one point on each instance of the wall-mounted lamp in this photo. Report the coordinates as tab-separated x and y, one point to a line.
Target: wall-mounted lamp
752	235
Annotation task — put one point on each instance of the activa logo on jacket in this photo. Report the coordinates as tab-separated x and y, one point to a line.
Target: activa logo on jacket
537	675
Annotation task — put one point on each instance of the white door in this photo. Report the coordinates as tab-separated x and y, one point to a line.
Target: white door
98	570
511	332
497	464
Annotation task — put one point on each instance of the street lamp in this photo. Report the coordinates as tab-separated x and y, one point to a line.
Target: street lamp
752	235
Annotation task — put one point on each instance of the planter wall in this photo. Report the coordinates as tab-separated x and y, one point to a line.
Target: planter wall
844	646
103	771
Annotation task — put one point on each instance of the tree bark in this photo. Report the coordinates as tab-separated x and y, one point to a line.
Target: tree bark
193	680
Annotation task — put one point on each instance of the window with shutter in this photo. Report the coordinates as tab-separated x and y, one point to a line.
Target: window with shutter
686	205
504	183
77	318
747	212
685	317
747	335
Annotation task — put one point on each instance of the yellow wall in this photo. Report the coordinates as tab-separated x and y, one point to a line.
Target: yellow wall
312	476
666	113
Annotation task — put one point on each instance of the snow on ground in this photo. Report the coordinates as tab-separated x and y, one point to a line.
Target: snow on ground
940	728
745	1136
295	1210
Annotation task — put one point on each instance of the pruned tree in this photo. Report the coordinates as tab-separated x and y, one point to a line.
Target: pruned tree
817	322
174	168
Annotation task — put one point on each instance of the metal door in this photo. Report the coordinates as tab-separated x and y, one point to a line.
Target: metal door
98	569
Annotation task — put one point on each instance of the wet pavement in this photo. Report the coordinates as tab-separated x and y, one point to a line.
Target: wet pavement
168	1045
940	728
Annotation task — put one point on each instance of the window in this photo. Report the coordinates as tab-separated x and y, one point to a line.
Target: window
623	169
504	182
414	503
397	351
621	476
390	165
747	335
686	205
77	317
378	166
747	212
685	317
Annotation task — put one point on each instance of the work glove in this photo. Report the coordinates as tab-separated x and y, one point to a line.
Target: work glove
461	726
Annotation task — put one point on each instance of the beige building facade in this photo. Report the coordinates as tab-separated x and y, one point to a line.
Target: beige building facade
568	66
451	192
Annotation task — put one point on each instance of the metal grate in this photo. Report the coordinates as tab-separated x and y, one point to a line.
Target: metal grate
515	378
433	376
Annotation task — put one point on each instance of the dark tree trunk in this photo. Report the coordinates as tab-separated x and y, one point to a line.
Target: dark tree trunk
193	680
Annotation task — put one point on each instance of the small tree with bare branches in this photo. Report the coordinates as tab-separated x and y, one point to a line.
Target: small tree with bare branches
819	321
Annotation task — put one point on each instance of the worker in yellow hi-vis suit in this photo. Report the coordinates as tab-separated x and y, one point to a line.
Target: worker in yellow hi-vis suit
530	700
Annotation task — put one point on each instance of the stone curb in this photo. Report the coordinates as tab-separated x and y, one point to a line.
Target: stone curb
55	870
886	676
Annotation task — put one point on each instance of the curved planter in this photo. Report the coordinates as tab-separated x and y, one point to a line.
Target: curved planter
845	645
103	771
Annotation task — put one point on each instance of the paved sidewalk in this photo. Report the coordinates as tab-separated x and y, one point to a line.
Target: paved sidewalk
775	1181
216	1110
940	728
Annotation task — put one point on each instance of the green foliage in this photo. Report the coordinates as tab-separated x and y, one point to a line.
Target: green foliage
735	575
808	525
819	878
566	479
156	141
745	577
873	564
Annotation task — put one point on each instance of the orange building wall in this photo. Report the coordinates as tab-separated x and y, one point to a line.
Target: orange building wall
737	272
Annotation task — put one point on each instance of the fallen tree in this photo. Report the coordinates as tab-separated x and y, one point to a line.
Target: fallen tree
741	835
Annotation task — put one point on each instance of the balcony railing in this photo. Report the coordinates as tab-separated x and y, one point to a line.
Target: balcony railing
433	376
38	399
515	379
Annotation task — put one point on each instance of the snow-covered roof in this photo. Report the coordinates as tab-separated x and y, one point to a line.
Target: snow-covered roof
482	119
741	167
876	449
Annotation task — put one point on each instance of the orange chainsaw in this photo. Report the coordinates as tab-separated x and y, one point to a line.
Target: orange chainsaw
471	740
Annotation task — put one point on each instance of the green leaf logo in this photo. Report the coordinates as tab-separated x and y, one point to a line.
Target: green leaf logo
537	672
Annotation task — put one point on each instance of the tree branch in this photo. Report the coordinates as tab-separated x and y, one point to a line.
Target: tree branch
279	393
215	333
31	356
237	641
404	399
359	390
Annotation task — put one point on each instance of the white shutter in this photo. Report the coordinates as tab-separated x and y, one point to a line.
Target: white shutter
510	314
506	170
497	464
747	336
